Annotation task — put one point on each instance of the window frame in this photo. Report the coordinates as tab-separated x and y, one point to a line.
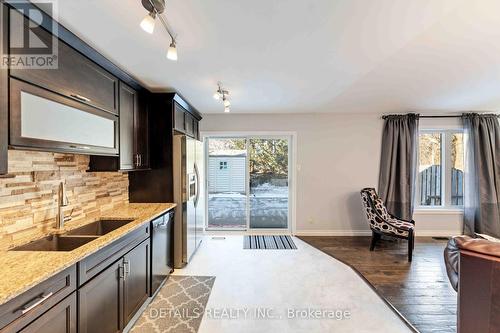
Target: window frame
223	165
446	136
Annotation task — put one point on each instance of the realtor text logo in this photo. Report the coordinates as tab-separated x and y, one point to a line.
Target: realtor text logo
31	45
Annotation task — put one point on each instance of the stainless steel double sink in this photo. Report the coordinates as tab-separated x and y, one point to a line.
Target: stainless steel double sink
75	238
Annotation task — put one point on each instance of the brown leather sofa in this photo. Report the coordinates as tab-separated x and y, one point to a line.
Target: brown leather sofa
473	266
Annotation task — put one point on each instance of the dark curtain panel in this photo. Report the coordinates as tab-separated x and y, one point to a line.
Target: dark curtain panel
482	174
398	164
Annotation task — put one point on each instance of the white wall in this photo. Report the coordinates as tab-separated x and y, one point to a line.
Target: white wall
337	155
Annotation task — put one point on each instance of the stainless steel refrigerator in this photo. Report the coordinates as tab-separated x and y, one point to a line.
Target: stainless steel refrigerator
188	195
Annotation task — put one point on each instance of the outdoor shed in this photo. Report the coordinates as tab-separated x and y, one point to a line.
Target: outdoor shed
226	171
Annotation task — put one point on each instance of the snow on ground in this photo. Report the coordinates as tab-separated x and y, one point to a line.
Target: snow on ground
268	208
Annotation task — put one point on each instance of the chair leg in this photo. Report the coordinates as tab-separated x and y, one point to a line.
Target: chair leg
375	238
411	242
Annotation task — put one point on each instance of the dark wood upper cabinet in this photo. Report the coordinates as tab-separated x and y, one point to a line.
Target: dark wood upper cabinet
76	77
168	114
141	130
4	92
189	120
179	118
184	121
129	159
134	134
43	120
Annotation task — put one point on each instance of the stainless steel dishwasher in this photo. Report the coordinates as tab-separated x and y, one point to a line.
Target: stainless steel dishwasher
161	250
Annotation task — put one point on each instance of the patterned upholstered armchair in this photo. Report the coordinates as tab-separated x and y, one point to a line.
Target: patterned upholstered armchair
383	223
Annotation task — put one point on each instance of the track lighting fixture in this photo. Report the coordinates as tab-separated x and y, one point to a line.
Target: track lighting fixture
224	95
155	9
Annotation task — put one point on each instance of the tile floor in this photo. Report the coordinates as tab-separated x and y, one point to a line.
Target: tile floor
302	290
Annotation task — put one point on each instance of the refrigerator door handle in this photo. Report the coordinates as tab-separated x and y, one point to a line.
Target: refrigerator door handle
197	181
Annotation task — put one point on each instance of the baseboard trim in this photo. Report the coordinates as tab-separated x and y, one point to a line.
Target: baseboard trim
332	233
418	233
437	233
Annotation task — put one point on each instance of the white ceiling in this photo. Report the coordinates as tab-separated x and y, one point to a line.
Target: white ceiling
301	56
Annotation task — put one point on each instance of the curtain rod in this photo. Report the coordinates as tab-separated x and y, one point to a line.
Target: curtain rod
455	116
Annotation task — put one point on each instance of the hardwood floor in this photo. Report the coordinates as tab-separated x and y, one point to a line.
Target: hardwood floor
420	290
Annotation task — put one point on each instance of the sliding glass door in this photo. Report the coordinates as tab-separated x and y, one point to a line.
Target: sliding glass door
268	183
248	182
227	178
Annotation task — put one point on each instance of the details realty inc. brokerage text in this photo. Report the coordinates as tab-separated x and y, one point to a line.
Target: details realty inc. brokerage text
250	313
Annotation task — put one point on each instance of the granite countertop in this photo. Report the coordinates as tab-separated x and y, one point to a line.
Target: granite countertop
22	270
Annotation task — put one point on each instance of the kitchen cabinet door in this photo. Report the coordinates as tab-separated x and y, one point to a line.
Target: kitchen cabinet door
100	302
196	130
76	76
128	104
141	131
62	318
43	120
136	279
134	140
189	125
179	118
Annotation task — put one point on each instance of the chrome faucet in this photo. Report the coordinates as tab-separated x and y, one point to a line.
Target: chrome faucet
61	203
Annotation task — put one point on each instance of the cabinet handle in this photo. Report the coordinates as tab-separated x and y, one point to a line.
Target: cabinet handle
126	268
29	307
140	160
121	272
79	147
81	98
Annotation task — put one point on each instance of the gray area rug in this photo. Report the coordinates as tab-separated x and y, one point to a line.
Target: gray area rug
268	243
178	307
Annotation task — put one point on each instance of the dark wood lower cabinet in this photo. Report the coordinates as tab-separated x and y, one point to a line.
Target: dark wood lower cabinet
62	318
100	302
136	281
113	284
109	301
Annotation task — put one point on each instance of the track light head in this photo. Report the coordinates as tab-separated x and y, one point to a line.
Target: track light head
148	22
172	51
222	94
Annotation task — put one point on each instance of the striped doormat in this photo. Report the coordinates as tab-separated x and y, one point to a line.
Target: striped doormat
269	243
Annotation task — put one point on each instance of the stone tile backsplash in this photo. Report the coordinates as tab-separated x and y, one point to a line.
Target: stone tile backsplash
28	200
